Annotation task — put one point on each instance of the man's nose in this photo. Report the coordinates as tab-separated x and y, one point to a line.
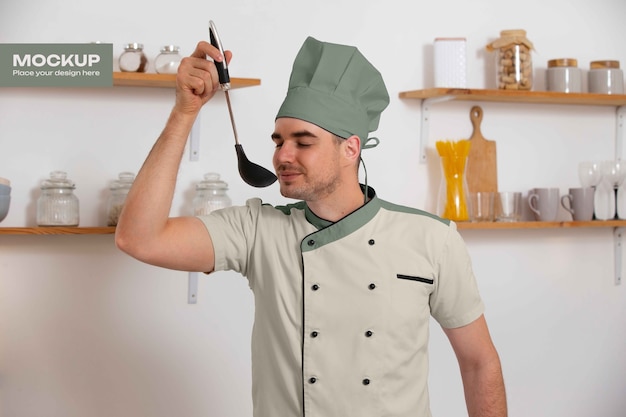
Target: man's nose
284	153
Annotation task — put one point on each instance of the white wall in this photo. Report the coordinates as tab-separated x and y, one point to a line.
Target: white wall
88	331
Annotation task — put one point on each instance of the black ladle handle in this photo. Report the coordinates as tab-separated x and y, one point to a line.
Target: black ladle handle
222	67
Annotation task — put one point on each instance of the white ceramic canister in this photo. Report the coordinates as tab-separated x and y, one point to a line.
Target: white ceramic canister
450	62
563	75
605	77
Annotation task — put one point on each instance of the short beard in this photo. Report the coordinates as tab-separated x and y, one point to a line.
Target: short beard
312	191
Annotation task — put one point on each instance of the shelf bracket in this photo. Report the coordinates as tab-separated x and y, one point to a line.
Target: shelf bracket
194	140
192	288
619	131
618	237
425	125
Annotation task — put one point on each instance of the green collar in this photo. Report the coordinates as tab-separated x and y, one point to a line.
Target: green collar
329	232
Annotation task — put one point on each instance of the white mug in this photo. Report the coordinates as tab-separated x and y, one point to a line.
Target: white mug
579	202
544	202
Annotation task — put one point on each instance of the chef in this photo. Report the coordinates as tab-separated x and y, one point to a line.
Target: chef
344	282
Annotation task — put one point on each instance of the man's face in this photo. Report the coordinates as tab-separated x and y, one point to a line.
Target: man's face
307	160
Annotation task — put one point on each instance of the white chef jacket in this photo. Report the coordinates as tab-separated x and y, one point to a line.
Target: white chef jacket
342	309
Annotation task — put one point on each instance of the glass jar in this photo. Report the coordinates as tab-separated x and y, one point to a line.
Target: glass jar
453	199
119	189
57	205
563	75
453	190
133	58
514	67
210	195
168	60
605	77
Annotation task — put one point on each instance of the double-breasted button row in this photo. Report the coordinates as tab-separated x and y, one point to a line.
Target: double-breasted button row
315	333
365	381
316	287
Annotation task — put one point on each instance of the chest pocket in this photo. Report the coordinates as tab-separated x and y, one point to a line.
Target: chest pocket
410	296
414	278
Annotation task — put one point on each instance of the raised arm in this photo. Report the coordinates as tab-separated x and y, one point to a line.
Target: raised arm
480	369
145	230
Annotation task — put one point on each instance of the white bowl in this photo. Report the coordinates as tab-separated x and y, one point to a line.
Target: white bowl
5	189
5	202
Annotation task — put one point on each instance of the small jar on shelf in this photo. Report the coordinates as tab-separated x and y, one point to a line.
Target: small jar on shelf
514	67
119	189
57	204
563	75
133	59
168	60
605	77
210	195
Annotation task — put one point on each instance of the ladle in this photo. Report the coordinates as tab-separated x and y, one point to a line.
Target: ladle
253	174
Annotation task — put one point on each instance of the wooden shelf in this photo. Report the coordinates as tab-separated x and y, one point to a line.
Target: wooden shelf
57	230
460	225
540	225
542	97
138	79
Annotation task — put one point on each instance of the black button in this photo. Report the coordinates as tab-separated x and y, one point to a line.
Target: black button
371	242
366	381
369	333
372	286
314	334
312	380
310	242
315	287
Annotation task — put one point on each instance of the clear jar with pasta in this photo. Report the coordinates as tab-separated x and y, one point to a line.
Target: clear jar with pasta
57	205
514	67
119	189
210	195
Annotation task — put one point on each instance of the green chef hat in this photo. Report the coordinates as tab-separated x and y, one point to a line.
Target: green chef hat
334	87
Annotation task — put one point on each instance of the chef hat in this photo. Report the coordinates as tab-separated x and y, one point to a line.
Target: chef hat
334	87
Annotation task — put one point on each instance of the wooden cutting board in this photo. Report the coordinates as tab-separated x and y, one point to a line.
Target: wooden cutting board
481	170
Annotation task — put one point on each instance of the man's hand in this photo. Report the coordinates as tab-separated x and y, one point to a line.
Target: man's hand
197	79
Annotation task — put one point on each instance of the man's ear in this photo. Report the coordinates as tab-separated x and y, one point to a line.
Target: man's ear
352	148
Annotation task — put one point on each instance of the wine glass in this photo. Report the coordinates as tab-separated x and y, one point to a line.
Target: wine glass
589	173
613	173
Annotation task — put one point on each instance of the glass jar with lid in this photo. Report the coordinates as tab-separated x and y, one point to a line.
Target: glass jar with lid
133	59
563	75
210	195
514	67
119	189
605	77
57	205
168	60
